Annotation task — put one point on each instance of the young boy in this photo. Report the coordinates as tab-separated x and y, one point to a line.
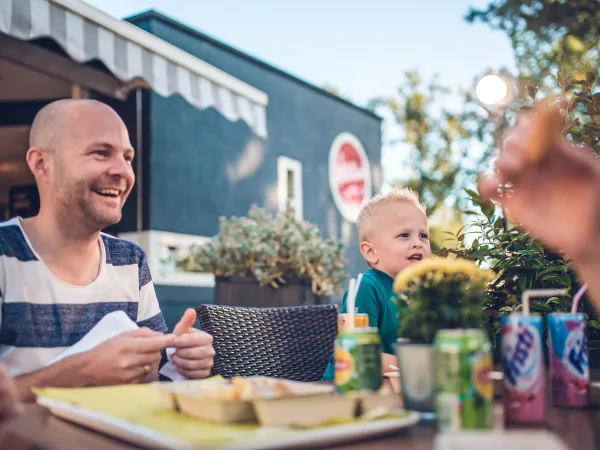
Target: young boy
393	233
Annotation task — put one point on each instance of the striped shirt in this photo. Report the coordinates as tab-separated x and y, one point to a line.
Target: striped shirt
41	316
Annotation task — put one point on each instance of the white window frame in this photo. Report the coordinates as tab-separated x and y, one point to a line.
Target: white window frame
285	164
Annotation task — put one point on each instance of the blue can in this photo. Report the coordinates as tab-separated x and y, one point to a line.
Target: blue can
524	374
569	359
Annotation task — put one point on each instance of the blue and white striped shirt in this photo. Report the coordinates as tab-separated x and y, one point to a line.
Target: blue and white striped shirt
41	316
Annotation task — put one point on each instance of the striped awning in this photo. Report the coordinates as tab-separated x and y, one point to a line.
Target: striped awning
134	56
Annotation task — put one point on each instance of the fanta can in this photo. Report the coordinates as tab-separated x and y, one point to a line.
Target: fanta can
569	359
524	374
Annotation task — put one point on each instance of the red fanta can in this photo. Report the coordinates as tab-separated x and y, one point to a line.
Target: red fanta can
524	374
569	359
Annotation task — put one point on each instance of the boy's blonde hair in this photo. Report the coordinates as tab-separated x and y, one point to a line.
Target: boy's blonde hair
367	213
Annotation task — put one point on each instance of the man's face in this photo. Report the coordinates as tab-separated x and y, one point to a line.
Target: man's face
92	172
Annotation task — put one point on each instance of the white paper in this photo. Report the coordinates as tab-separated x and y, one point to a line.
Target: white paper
110	326
169	370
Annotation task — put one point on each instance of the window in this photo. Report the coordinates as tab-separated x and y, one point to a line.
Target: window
289	185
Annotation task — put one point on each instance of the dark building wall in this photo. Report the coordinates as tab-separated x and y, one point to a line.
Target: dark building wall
194	154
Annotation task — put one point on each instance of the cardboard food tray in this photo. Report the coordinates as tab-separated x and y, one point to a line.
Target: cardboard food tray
148	438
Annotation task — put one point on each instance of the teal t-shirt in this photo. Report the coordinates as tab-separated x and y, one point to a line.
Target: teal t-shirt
374	298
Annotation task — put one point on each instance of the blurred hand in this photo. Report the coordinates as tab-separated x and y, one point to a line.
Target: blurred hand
194	351
10	406
556	199
127	358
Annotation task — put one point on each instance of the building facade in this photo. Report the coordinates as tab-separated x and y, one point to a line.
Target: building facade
215	130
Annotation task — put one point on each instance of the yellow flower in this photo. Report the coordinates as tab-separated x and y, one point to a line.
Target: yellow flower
436	270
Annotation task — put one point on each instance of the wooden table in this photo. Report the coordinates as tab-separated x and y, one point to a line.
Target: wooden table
37	429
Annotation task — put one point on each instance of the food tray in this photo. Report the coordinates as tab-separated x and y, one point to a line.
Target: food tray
263	438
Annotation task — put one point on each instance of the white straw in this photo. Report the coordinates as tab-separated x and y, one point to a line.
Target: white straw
351	301
531	293
358	280
577	297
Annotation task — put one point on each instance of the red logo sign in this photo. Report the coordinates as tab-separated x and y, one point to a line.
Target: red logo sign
349	175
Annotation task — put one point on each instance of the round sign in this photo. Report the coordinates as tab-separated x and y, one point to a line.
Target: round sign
349	175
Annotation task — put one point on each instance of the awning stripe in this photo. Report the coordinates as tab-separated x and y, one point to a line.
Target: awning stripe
87	33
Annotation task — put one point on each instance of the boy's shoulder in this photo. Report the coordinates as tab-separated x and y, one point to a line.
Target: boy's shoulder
371	285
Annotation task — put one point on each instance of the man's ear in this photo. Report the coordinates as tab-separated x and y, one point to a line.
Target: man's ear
369	252
37	160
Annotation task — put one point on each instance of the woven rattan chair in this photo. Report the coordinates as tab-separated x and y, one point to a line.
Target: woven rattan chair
293	343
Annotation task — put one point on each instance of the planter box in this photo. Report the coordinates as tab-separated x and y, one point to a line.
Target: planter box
247	292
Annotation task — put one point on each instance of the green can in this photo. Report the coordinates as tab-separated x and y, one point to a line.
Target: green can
464	388
357	360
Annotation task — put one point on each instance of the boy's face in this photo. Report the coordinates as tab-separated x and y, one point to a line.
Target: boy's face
399	236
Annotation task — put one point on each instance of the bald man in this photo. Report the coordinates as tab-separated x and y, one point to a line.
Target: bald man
59	275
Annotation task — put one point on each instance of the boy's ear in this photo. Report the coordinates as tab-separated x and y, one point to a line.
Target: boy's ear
369	252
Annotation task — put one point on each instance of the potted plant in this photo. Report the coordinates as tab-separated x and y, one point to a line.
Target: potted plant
270	260
434	294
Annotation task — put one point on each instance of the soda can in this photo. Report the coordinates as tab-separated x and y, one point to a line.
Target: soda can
569	360
464	388
360	321
357	360
524	373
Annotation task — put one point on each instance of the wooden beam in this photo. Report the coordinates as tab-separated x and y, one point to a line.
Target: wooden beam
58	66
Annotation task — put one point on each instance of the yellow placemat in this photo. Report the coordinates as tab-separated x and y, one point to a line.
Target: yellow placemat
141	404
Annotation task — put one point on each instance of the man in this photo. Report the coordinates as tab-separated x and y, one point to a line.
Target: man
557	199
59	275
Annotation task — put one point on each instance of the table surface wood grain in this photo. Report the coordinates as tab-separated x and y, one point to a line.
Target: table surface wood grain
38	429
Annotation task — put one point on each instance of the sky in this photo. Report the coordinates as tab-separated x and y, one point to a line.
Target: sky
361	50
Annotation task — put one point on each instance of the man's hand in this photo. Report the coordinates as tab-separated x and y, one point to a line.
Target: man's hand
10	405
194	351
124	359
556	199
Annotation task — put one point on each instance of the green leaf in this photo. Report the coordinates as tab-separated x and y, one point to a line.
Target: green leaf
474	195
550	269
539	307
488	210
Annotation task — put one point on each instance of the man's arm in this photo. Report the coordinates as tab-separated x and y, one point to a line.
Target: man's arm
65	373
10	405
125	359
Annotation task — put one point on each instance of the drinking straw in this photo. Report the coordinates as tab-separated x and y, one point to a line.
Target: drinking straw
577	297
352	291
531	293
351	302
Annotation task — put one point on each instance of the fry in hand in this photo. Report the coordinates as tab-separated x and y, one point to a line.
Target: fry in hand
544	129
